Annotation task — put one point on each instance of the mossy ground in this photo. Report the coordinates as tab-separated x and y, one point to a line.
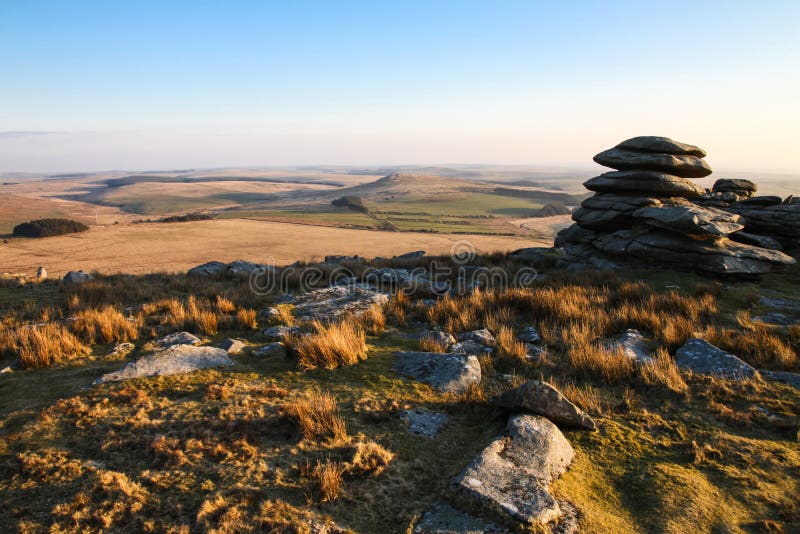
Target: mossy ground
206	451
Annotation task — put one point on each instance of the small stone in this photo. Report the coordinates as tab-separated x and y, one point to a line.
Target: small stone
279	333
447	373
74	278
543	399
529	335
483	336
233	346
470	347
276	349
445	339
423	422
178	338
444	519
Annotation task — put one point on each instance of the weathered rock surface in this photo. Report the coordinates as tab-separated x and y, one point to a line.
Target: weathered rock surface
543	399
178	338
777	220
700	356
720	255
791	379
735	185
610	211
423	422
233	346
509	478
276	349
442	518
336	302
762	241
470	347
445	339
279	333
176	359
633	344
483	336
644	183
687	218
411	255
74	278
121	350
678	165
760	202
661	145
447	373
529	334
212	268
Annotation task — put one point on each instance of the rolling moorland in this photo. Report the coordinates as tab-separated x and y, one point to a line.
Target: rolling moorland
366	394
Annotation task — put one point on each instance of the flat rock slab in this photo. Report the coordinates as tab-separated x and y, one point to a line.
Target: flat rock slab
545	400
509	478
687	218
177	359
700	356
178	338
685	166
423	422
444	519
644	183
233	346
661	145
276	348
446	373
336	302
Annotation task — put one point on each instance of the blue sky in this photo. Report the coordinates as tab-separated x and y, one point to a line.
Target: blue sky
139	85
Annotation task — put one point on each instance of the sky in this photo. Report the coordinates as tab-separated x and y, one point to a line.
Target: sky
138	85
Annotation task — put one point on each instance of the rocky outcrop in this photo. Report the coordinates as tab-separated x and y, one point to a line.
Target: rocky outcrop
335	303
700	356
509	479
446	373
779	221
543	399
177	359
640	213
74	278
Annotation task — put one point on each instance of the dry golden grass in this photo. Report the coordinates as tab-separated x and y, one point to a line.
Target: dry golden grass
329	477
756	343
246	319
509	347
331	346
284	315
225	305
373	320
317	416
586	397
429	344
370	458
594	359
106	325
663	370
41	345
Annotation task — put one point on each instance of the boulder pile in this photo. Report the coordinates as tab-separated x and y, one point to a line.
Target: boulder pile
643	210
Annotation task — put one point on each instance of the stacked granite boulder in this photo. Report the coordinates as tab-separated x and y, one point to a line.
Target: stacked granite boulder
773	222
642	210
726	191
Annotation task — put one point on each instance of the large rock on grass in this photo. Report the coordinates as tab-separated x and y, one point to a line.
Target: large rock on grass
212	268
177	359
679	165
701	357
644	183
543	399
509	478
336	302
74	278
446	373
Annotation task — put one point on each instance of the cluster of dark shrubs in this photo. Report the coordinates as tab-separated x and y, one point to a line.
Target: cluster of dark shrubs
351	202
187	218
48	228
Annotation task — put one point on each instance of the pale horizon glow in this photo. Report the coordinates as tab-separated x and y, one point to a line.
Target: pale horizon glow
144	86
